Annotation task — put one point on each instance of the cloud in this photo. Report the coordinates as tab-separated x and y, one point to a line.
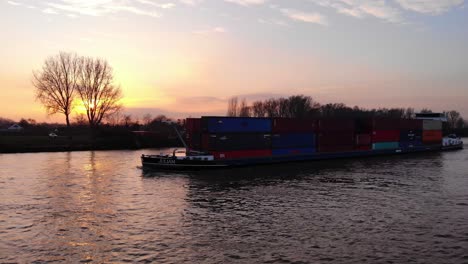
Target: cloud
156	4
14	3
191	2
363	8
305	16
388	10
215	30
247	2
429	6
49	11
272	22
100	7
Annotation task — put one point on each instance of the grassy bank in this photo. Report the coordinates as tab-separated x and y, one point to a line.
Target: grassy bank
83	139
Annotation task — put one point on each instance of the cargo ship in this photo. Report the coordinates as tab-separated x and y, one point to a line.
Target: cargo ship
221	142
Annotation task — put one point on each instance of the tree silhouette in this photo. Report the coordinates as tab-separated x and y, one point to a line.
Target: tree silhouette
232	107
452	118
100	97
244	109
57	82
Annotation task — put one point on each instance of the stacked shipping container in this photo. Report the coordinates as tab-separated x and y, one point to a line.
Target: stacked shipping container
293	136
236	137
410	133
239	137
432	132
335	135
364	129
193	133
385	134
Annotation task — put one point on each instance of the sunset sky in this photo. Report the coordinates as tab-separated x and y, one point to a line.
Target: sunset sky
187	57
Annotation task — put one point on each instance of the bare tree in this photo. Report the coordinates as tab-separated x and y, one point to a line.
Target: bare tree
452	118
271	107
114	119
57	82
409	113
80	119
99	95
299	106
425	111
258	110
147	119
127	120
244	109
161	118
232	107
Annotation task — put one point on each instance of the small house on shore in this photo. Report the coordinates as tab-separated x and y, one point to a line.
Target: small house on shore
13	128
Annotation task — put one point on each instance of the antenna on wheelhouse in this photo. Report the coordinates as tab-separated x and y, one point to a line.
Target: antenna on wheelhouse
178	133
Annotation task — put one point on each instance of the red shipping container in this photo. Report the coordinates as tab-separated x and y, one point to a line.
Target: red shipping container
432	136
336	125
193	125
335	138
194	141
239	154
364	125
411	124
363	139
364	147
205	142
385	136
386	124
293	125
336	148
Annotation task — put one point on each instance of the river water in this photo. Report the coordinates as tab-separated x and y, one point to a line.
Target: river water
101	207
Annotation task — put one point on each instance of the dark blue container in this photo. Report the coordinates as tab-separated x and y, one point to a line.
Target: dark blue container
239	141
410	144
236	125
293	140
293	151
410	135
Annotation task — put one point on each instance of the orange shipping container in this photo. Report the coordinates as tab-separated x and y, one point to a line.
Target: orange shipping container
432	136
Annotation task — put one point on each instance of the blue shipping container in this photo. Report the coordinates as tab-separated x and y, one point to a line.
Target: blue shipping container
293	151
293	140
410	144
385	145
411	135
236	125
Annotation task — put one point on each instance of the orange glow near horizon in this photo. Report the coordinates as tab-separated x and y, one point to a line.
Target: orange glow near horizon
193	58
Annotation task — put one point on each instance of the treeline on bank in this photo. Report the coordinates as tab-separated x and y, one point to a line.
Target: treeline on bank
301	106
126	132
41	137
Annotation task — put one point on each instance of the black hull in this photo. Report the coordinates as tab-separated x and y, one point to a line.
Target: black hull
172	163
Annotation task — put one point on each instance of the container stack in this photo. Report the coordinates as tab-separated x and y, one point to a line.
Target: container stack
336	135
364	134
432	132
411	133
292	136
193	133
245	137
386	134
236	137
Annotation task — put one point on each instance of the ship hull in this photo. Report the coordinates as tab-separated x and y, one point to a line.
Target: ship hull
176	163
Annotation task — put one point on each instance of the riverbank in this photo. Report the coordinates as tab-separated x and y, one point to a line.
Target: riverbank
84	139
25	144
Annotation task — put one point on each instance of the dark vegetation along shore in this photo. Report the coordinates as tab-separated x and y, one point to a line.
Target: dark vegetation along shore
55	137
128	133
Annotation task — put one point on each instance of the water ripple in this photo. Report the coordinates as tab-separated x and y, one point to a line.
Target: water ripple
100	207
